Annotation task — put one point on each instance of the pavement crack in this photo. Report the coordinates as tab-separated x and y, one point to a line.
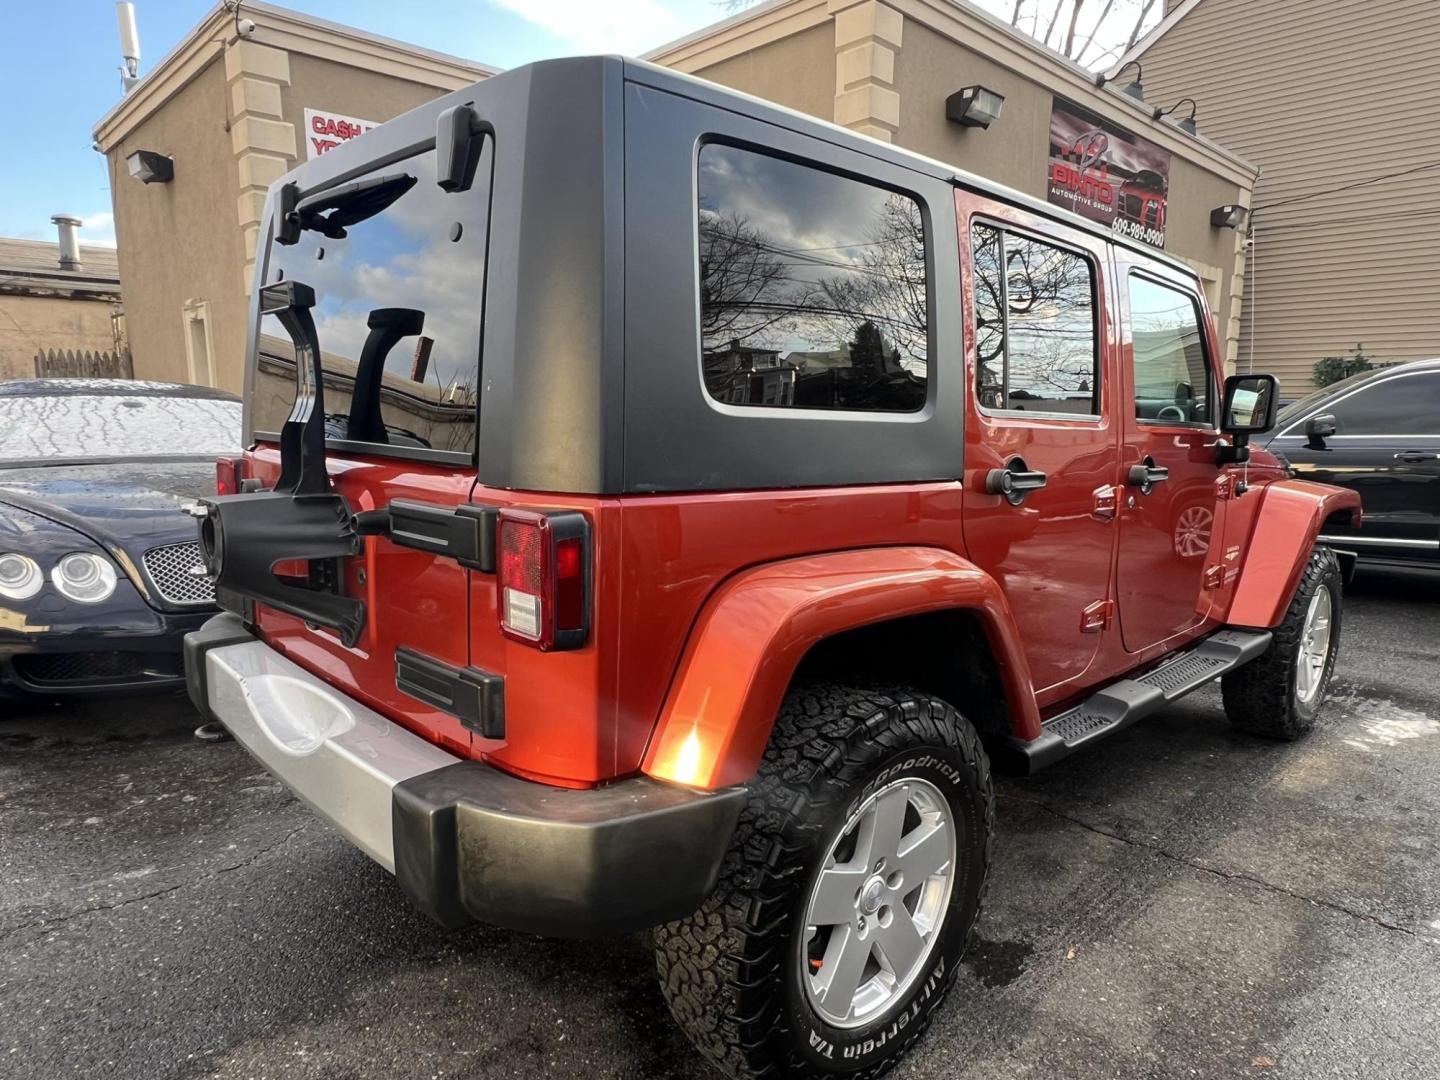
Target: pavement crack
48	923
1207	868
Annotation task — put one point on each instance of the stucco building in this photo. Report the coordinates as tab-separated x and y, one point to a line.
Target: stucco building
57	300
231	113
887	68
1334	101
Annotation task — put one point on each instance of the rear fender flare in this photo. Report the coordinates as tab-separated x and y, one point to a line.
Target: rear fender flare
756	628
1287	522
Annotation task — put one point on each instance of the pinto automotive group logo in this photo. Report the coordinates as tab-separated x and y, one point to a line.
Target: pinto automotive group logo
1107	174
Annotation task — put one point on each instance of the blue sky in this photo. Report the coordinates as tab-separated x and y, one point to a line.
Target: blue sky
59	71
59	74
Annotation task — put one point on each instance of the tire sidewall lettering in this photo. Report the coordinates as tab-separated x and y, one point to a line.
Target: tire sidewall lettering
844	1049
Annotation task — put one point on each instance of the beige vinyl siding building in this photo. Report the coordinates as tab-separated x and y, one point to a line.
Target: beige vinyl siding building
1322	95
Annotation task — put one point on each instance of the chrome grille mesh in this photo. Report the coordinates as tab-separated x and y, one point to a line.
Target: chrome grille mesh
173	570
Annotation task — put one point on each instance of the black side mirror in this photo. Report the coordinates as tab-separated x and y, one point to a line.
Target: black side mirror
1249	409
1321	427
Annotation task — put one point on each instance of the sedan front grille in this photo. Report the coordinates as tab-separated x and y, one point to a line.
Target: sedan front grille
179	575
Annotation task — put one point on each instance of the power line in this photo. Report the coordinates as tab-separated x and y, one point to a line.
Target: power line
1347	219
1348	187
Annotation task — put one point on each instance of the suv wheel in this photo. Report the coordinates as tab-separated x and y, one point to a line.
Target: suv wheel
1279	694
845	902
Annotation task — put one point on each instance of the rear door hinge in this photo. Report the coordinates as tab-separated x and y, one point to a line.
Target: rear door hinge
465	533
1096	617
475	697
1214	576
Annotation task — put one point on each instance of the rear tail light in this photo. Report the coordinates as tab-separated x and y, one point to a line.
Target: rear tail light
229	475
543	566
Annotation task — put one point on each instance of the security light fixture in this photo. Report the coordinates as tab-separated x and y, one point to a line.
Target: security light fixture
150	167
1188	123
1229	216
974	106
1136	89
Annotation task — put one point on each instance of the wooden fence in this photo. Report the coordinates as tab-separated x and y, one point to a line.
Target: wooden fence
76	364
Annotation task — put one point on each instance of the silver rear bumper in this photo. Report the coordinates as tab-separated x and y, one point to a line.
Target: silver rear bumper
339	757
465	840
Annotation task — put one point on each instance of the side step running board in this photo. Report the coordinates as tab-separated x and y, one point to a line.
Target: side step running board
1123	702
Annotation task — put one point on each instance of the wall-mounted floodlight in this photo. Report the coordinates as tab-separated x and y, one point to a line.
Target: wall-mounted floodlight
1186	124
1229	216
974	106
150	167
1136	89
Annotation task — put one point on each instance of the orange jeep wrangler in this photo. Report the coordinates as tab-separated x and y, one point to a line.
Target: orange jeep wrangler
663	509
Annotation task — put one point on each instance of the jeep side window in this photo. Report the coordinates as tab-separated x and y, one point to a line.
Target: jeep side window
813	287
1035	336
1172	381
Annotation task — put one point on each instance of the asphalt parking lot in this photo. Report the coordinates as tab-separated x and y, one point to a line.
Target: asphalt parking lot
1179	901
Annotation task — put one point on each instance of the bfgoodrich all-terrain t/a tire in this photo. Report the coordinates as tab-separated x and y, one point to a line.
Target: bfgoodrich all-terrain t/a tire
1279	694
849	892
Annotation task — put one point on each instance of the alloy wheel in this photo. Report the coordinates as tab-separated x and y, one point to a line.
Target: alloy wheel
877	906
1314	650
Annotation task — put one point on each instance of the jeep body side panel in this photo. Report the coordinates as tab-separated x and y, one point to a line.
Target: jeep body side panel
758	626
1288	520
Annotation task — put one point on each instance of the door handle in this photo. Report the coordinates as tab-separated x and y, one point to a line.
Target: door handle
1146	475
1416	457
1014	482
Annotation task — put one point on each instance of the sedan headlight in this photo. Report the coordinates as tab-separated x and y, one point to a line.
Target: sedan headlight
20	576
83	577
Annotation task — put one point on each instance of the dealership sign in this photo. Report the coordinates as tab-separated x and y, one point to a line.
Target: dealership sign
327	130
1107	174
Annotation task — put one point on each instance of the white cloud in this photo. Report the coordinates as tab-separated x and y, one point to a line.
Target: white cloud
98	229
623	26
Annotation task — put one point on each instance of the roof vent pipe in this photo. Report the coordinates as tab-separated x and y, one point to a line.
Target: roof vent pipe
129	44
69	241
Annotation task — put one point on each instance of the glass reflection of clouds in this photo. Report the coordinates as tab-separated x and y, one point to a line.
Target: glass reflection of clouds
404	257
1036	339
812	287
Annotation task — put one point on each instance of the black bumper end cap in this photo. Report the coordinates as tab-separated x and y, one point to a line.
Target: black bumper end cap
223	629
473	843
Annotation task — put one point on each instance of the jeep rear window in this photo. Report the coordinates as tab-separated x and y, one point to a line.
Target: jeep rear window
425	251
813	289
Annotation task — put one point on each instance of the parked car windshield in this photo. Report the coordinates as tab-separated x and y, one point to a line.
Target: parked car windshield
37	428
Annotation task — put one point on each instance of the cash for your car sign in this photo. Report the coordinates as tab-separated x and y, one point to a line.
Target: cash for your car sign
326	130
1107	174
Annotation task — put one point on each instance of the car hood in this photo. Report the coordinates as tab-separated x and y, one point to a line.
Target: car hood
132	505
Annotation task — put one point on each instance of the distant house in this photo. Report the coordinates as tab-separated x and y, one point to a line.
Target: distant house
741	375
1334	101
54	303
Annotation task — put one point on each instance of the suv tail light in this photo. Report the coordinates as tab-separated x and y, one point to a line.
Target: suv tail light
229	475
543	567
